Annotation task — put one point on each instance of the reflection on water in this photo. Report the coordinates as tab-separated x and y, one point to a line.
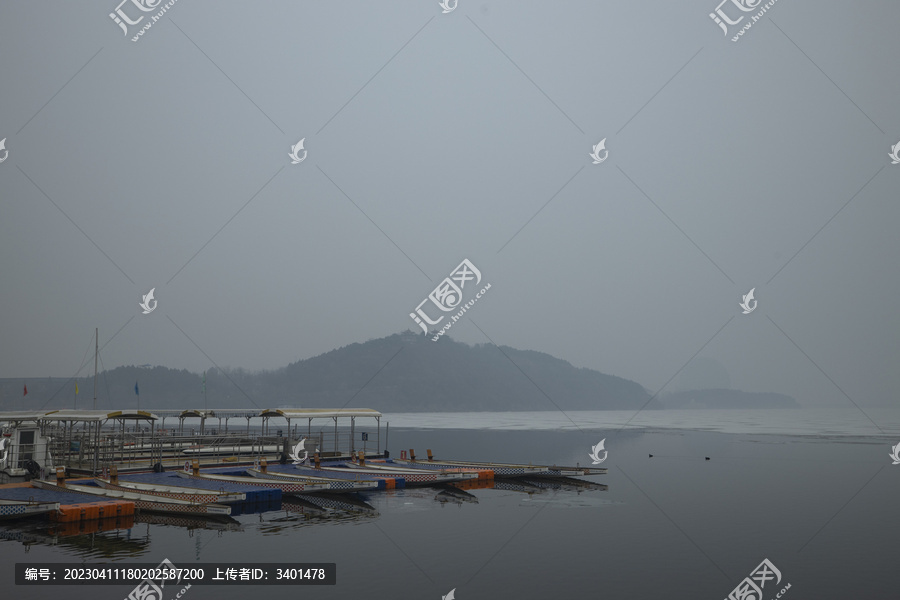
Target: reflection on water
568	501
100	539
189	522
297	513
671	526
452	494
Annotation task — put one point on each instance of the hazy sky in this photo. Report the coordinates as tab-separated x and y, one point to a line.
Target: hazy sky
432	138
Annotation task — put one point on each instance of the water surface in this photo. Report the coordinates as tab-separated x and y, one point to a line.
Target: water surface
812	491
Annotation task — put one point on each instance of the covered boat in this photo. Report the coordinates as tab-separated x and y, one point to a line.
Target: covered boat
198	495
14	509
342	485
286	487
500	469
411	476
141	501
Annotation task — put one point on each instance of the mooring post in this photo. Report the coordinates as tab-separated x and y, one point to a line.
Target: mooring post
195	466
430	457
61	476
412	455
114	474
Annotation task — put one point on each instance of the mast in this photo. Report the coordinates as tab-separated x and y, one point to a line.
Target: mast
96	353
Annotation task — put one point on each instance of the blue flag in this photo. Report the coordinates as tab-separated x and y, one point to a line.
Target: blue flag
136	391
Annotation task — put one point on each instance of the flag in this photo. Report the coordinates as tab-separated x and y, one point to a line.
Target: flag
76	388
25	386
136	391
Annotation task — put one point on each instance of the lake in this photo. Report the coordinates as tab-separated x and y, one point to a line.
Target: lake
812	491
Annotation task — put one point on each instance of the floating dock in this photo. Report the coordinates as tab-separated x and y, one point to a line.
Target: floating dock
73	507
136	469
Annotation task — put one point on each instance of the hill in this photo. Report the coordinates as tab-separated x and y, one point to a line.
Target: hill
404	372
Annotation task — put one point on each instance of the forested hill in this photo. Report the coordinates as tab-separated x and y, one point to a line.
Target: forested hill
403	372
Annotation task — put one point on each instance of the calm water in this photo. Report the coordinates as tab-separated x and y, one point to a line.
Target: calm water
812	491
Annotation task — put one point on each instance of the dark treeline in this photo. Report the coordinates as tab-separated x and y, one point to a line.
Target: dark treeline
405	372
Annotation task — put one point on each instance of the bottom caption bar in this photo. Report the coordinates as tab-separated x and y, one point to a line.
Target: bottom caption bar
158	576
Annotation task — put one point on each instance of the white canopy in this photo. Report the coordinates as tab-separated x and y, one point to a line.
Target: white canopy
319	413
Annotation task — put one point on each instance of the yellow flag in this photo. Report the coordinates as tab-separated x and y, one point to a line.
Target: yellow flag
76	387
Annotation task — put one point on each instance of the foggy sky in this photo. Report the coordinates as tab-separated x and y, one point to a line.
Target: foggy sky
436	137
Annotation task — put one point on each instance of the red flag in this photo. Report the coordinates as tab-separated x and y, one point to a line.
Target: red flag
26	390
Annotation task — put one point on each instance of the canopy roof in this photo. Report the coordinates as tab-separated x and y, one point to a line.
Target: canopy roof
94	416
85	416
319	413
22	415
195	412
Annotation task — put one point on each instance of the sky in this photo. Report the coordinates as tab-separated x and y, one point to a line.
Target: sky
435	137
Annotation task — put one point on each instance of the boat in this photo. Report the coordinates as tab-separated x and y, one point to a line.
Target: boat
286	487
197	495
500	469
236	449
14	509
141	501
384	481
343	485
411	476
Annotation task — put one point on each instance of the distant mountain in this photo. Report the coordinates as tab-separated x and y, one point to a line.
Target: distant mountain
405	372
416	374
723	398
